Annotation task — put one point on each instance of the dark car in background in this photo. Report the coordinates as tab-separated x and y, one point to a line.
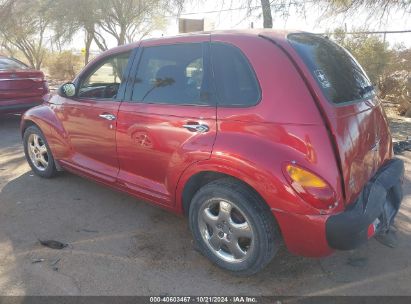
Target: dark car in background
21	87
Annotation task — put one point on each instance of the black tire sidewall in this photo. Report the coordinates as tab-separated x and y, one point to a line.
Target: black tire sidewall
246	202
51	168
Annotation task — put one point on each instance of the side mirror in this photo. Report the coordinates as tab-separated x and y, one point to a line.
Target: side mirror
67	90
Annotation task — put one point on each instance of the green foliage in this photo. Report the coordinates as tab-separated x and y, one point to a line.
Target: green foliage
370	51
128	20
401	60
32	26
23	26
64	65
390	68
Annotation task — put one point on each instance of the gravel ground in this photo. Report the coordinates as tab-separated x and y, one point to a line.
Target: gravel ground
122	246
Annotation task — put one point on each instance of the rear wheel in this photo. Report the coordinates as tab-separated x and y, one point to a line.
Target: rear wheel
233	227
38	153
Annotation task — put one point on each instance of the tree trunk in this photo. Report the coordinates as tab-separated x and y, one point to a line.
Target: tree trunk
38	59
29	58
88	41
122	37
267	17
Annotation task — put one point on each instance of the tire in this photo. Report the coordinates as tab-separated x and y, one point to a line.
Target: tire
38	153
242	238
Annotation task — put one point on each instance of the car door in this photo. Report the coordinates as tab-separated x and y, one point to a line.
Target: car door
168	118
90	117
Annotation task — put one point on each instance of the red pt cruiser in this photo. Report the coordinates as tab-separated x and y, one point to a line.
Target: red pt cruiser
256	137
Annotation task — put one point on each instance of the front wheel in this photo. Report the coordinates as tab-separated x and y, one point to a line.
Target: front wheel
233	227
38	153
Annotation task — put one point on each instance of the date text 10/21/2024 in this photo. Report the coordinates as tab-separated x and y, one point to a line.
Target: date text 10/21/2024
203	299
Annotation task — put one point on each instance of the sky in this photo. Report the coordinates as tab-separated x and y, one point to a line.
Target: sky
236	18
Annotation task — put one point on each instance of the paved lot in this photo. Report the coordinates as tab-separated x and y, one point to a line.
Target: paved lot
121	246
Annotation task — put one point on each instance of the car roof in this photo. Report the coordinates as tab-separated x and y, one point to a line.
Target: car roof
7	57
277	35
271	33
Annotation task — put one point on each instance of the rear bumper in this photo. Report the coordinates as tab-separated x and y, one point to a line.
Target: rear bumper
374	211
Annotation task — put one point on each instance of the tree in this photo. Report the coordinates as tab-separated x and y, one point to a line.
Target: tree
127	20
23	25
73	16
376	8
371	52
124	20
273	8
6	48
267	16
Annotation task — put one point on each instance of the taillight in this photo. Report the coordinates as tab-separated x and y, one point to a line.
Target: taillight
310	187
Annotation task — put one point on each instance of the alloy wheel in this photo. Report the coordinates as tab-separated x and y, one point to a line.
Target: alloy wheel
226	230
38	152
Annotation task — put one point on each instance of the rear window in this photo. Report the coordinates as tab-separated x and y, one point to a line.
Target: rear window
338	74
11	64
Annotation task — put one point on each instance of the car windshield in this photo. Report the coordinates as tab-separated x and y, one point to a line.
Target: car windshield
338	74
11	64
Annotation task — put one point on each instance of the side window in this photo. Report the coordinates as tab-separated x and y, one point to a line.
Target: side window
234	78
104	80
10	64
194	73
171	74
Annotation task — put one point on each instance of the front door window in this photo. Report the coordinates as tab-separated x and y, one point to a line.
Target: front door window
104	81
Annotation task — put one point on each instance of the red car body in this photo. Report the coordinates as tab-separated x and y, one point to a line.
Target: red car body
21	88
147	152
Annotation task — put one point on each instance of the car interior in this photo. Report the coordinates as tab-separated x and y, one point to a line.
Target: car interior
104	81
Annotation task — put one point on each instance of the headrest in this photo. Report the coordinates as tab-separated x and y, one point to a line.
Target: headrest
171	72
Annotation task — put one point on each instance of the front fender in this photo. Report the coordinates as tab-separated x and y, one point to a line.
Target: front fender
45	118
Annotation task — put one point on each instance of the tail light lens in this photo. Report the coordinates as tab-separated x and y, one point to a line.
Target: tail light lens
312	188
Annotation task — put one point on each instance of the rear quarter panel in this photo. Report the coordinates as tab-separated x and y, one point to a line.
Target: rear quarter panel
354	127
285	126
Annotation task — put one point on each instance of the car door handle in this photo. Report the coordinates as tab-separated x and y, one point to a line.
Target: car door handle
200	128
107	116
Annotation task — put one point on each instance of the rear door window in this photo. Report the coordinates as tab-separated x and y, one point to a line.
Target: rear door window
338	74
172	74
234	78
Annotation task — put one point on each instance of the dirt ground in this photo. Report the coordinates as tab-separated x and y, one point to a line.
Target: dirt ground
121	246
